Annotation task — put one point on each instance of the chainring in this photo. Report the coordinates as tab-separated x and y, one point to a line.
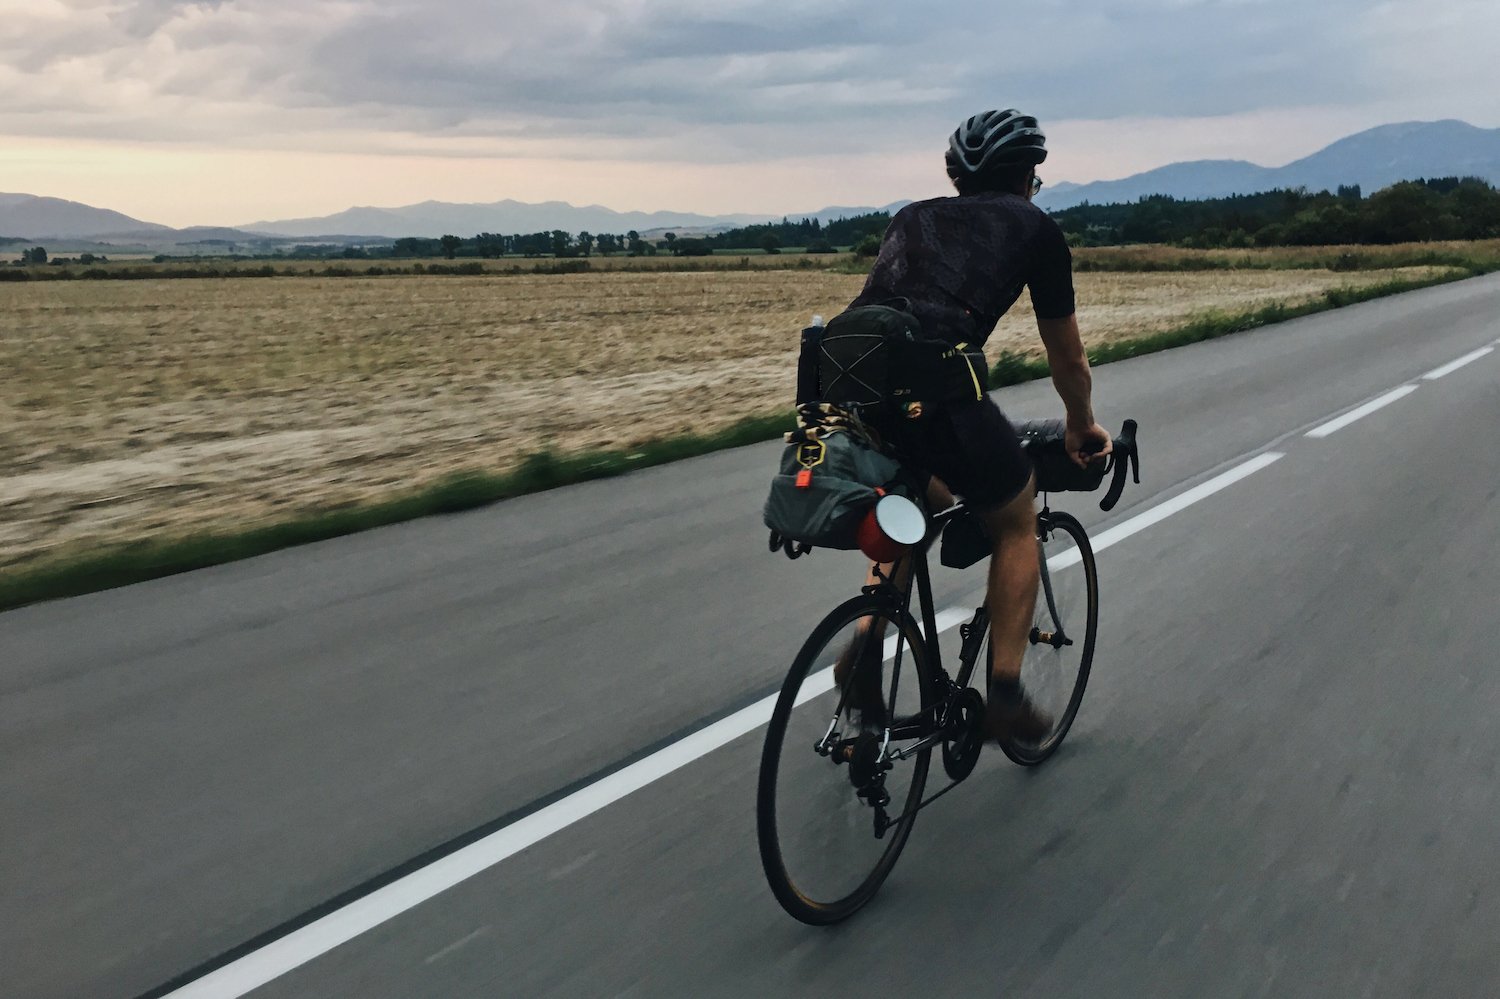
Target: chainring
965	736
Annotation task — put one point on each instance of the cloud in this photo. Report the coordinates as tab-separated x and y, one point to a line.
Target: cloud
722	82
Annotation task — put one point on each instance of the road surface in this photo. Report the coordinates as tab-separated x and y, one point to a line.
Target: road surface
1283	780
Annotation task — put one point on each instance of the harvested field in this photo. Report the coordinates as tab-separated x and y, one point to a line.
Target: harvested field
163	407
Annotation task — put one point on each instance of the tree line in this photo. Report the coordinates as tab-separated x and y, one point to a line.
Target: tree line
1444	208
811	234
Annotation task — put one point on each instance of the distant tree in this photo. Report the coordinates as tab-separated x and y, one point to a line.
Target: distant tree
692	248
1348	192
489	244
562	244
585	243
1333	224
633	244
1478	204
819	245
868	247
1403	213
771	243
35	255
534	244
670	237
450	245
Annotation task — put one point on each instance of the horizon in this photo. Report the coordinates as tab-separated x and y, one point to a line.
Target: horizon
578	204
1318	143
229	114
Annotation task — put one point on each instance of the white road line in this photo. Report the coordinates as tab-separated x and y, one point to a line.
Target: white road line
1335	425
339	927
1453	366
1179	503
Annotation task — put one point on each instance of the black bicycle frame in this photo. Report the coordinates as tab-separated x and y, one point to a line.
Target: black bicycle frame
973	631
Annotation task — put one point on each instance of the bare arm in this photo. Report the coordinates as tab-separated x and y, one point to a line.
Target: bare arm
1074	383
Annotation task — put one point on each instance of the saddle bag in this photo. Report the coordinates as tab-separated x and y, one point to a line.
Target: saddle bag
876	356
831	474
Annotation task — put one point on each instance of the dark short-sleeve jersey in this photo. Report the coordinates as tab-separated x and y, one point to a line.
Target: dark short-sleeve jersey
961	262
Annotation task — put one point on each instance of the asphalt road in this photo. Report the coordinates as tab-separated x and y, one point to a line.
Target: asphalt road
1282	782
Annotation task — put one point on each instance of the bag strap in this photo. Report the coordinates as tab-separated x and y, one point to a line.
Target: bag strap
816	420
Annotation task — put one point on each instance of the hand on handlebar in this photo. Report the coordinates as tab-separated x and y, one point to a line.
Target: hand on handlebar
1089	445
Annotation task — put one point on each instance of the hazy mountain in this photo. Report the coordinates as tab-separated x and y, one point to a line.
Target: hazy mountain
1372	159
1194	179
26	216
1382	156
434	218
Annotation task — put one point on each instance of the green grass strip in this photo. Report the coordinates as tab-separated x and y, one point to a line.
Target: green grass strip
120	565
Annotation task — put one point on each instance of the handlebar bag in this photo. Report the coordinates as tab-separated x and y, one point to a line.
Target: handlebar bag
1044	443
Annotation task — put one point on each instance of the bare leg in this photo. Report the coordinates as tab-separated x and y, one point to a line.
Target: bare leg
1014	577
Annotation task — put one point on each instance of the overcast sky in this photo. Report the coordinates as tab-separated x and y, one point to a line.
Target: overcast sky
231	111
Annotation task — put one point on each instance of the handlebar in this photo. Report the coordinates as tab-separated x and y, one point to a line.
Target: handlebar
1043	441
1126	453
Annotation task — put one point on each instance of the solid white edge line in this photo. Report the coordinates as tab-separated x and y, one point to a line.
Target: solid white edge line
1453	366
339	927
1360	412
317	938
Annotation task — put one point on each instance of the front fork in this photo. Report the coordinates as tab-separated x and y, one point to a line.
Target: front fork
1057	639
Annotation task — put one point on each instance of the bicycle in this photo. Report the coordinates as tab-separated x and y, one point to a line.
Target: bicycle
845	729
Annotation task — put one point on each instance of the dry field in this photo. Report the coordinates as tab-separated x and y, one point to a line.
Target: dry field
144	408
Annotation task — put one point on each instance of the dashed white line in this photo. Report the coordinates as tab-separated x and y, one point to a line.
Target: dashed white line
1453	366
1162	511
1181	502
1359	413
342	925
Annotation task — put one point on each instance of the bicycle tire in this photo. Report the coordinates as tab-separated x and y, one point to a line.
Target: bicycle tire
1031	754
776	828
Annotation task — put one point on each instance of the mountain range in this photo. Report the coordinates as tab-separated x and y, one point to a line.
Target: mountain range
433	218
1372	159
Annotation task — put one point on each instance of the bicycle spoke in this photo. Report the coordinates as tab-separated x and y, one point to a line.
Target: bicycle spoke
834	769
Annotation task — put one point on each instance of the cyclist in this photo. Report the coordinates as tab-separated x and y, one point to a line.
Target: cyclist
960	263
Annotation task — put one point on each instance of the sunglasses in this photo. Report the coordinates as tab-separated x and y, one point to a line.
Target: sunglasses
1036	184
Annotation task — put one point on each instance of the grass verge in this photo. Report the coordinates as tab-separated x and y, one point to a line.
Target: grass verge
133	563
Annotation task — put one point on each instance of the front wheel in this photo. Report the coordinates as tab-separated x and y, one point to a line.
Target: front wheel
844	765
1060	647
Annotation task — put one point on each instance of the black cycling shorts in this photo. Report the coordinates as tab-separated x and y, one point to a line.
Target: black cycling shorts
970	446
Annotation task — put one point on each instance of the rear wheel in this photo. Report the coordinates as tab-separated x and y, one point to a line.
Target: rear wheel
841	774
1060	647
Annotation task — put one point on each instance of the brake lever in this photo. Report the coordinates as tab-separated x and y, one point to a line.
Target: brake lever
1127	460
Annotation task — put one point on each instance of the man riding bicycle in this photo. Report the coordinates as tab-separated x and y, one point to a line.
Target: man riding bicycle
960	263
